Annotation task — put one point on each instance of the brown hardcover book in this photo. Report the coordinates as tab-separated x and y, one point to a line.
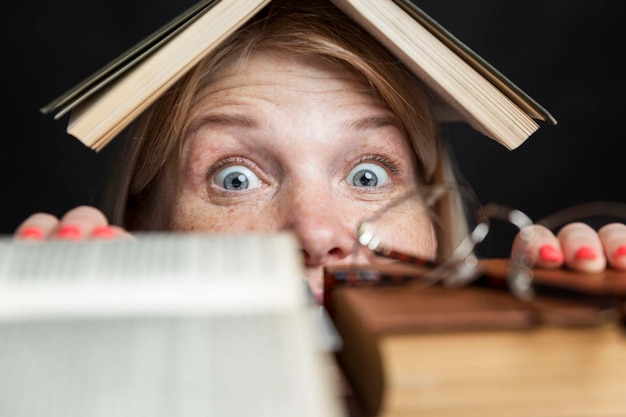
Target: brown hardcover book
411	350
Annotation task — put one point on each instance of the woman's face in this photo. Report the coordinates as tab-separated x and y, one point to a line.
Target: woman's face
286	143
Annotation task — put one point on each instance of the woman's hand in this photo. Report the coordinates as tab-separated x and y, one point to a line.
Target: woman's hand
80	223
576	246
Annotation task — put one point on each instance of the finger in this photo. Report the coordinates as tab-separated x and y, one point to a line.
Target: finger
540	245
613	238
38	226
582	247
92	223
79	223
110	232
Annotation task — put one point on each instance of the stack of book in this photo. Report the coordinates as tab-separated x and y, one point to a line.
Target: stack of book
478	351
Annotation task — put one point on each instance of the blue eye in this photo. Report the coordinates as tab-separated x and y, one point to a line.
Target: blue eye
237	177
367	175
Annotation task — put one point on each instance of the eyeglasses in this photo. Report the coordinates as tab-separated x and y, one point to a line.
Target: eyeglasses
455	215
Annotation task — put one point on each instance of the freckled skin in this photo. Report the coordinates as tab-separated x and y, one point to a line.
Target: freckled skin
299	132
305	136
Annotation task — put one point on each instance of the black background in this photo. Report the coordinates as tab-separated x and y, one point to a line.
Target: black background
565	53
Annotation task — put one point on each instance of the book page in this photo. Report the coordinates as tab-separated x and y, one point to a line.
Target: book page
97	120
182	274
443	71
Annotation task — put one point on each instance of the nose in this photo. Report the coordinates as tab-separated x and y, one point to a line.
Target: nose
322	224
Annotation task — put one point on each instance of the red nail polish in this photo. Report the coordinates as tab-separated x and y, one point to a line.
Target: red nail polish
550	254
70	232
585	253
621	251
103	232
32	232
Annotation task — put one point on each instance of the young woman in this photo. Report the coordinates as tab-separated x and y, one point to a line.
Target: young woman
300	121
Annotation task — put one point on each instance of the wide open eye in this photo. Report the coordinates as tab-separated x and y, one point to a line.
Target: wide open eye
367	175
237	177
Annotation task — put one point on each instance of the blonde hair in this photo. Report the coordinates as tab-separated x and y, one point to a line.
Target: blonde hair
147	177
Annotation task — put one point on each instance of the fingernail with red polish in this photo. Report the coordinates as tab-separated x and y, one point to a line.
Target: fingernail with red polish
549	253
103	232
585	253
621	251
32	232
70	232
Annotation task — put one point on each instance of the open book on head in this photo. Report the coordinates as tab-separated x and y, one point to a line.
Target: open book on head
465	86
161	326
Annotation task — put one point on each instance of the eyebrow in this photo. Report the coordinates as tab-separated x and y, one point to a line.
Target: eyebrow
373	122
247	121
234	120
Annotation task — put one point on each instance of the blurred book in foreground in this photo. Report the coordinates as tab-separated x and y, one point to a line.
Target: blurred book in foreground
162	326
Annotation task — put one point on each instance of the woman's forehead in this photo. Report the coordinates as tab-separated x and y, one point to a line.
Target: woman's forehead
282	80
264	64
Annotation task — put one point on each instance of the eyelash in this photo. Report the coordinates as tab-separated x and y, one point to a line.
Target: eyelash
385	161
233	160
